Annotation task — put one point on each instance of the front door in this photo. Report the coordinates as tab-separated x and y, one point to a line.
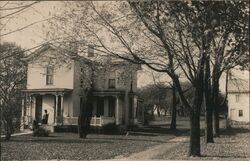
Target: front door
111	110
100	106
38	108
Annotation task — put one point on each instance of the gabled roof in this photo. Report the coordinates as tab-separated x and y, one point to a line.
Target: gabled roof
47	46
38	51
238	86
74	55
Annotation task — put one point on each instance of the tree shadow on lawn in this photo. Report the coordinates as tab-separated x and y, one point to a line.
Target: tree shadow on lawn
234	131
224	156
53	140
96	141
136	140
157	129
63	139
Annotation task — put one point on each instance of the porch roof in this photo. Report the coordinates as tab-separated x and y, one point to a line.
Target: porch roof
109	93
48	91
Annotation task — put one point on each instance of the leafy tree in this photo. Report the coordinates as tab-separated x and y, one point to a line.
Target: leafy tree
229	46
154	97
12	80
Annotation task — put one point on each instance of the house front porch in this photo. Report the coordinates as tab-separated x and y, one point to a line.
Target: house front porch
55	101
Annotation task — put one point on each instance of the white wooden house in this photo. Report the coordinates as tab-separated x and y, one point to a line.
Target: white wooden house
239	97
55	83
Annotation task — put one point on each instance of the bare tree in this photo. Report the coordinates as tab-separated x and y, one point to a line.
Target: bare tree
10	10
12	80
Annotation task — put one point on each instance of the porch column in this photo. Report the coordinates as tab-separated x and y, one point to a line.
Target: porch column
33	106
22	117
30	111
56	109
62	108
117	111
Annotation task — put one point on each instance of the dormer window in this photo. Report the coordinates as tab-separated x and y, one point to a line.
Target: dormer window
49	75
90	50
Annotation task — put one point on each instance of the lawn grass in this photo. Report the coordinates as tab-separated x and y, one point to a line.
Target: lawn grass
234	144
70	146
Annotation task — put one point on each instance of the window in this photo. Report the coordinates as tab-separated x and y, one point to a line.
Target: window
90	51
240	113
237	98
49	75
81	83
111	83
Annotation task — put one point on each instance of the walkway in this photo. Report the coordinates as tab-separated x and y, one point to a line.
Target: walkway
18	134
155	151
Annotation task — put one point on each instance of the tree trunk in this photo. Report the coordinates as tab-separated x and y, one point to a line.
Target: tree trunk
173	118
209	107
216	121
8	129
82	118
209	124
194	145
194	149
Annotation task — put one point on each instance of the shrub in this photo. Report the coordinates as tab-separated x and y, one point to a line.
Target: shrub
41	132
148	118
112	128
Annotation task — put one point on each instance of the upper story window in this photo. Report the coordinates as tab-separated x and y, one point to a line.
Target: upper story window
49	75
240	113
90	50
111	83
237	97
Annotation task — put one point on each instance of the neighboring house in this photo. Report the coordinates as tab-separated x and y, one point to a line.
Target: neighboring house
56	81
238	97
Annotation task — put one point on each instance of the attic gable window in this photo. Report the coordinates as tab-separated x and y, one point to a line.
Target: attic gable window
90	50
49	75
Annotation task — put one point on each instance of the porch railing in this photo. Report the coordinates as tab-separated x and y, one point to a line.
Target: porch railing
102	120
27	120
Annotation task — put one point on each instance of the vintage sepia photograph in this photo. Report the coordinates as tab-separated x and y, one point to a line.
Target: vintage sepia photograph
131	80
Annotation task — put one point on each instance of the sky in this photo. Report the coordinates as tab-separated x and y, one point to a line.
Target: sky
35	35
